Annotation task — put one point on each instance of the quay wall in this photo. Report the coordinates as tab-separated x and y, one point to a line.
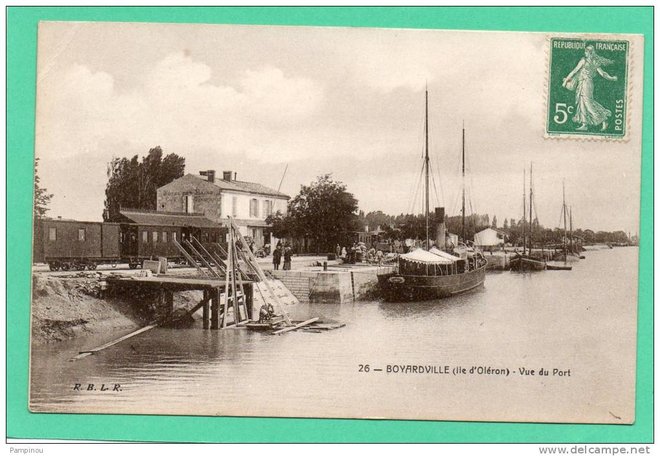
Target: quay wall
335	286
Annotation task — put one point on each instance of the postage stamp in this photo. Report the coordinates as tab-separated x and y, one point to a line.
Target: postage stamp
588	88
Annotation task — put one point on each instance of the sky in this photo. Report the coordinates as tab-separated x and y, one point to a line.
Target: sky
345	101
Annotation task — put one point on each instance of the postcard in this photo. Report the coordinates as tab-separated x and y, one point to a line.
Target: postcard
336	222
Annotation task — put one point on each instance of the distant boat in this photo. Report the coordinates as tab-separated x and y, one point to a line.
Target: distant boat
525	261
557	266
434	274
567	254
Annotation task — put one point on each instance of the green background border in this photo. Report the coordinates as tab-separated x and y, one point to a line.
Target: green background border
21	63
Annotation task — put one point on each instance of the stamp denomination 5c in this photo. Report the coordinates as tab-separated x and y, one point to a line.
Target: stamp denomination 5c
587	88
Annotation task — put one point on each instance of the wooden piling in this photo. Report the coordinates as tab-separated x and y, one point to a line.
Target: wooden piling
205	310
169	303
249	299
215	308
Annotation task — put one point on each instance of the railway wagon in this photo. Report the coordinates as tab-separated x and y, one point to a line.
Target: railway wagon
140	235
70	244
147	235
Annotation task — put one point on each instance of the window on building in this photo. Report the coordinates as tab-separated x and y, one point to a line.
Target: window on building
268	208
190	206
52	234
145	236
81	234
254	207
164	238
174	236
234	206
154	236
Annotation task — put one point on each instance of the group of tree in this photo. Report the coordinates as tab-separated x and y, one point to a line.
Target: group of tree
322	213
41	196
133	183
413	226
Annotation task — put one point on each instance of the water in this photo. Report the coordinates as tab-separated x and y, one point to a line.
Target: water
583	320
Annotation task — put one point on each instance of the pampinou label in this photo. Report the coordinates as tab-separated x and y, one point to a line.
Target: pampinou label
587	88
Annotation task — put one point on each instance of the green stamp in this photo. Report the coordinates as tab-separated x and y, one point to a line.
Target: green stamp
587	88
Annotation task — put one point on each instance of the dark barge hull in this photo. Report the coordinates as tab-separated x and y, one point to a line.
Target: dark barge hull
397	288
525	263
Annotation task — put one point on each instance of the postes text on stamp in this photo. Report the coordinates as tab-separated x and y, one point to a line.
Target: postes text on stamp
587	88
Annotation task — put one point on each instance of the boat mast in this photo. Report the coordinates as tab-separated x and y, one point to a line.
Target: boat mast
524	210
531	220
570	238
463	184
426	164
563	191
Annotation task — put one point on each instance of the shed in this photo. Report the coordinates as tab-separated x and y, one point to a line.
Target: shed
489	238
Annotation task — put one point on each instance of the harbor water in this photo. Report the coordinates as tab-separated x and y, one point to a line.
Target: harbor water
469	357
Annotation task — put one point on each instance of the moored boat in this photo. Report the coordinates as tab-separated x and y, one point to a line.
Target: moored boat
435	273
558	266
422	275
526	263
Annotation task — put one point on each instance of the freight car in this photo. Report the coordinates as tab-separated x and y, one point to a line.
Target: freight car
139	235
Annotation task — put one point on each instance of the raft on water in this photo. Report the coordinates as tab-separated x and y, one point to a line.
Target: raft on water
277	325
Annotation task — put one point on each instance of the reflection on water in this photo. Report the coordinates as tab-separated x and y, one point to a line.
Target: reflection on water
583	320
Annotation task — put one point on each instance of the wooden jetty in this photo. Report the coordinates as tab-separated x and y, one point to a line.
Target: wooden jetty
227	285
215	302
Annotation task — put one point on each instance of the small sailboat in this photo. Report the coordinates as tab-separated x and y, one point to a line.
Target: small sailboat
525	261
567	253
434	273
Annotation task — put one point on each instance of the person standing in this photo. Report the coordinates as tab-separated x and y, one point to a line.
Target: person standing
277	257
287	258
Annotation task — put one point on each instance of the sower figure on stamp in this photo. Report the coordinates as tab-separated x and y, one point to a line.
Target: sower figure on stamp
588	112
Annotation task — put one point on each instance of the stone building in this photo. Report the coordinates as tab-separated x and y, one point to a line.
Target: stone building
249	203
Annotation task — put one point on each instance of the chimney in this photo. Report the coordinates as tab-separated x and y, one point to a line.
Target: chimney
210	175
440	229
226	175
235	175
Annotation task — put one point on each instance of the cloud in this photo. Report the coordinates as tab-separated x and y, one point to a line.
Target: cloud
177	105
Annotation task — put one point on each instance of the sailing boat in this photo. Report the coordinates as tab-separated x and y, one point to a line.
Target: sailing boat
566	254
434	273
525	261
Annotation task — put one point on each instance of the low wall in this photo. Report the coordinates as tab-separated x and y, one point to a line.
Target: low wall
333	286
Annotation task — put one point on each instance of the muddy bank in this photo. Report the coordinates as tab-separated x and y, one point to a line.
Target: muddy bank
68	307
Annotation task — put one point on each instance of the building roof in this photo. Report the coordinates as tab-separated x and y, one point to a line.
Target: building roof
253	223
500	232
167	218
245	187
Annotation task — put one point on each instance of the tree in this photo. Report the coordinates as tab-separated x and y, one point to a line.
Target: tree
506	224
41	196
323	211
133	184
494	224
281	226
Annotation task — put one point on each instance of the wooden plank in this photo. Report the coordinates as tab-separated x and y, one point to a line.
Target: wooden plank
85	353
299	325
214	258
251	260
189	258
203	260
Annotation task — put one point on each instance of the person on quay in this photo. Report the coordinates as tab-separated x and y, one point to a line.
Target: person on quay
288	253
277	257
